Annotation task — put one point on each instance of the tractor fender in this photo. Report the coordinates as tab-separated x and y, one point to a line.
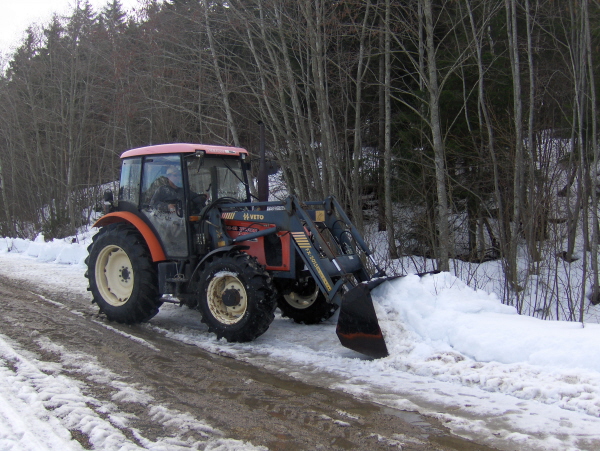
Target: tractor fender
156	250
219	250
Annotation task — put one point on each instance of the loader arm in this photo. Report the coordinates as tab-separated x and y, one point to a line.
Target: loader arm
341	274
331	249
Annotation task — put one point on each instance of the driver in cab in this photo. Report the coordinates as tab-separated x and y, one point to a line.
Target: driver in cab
170	194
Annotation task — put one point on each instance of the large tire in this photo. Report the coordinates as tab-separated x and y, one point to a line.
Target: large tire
122	277
236	297
303	302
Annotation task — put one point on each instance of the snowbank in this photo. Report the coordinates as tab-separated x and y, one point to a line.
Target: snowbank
69	251
442	312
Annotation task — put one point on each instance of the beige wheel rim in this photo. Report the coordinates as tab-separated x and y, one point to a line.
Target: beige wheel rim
227	287
300	301
114	275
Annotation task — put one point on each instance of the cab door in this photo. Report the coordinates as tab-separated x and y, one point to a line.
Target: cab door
162	202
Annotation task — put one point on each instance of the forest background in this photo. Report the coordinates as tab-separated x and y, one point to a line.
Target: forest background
465	130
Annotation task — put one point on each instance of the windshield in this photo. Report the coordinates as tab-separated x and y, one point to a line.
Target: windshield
217	177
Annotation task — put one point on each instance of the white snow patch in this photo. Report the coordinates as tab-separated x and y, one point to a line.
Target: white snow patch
226	274
456	353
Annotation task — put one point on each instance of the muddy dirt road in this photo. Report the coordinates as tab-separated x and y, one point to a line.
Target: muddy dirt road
241	401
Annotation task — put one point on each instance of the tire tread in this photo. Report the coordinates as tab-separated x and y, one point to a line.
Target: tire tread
145	301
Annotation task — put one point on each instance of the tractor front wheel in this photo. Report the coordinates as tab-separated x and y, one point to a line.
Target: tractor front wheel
303	302
122	277
235	297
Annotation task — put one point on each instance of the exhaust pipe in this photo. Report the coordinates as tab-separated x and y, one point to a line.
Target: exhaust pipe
263	176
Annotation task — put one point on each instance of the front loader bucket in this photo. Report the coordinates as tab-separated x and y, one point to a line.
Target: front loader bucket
358	328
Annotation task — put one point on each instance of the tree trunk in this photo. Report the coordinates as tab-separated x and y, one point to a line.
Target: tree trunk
518	164
595	157
381	191
387	171
356	182
224	92
438	143
486	124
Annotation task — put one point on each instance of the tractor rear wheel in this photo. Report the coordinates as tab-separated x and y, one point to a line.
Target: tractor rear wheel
122	277
303	302
236	297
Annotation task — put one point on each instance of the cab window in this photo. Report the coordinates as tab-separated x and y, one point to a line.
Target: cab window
157	172
129	186
217	177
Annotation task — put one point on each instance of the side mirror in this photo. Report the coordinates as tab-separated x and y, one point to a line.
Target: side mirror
108	201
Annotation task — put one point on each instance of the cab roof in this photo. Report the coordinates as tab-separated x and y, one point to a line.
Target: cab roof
184	148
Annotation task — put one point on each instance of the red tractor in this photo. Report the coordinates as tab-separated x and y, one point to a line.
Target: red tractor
184	225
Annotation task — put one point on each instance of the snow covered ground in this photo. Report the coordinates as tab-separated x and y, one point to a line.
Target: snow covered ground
457	354
38	409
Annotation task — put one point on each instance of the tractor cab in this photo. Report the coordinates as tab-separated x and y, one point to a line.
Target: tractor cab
167	185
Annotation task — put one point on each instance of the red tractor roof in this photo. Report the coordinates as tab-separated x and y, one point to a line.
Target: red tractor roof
184	148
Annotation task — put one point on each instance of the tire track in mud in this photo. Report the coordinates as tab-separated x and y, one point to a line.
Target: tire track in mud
161	385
